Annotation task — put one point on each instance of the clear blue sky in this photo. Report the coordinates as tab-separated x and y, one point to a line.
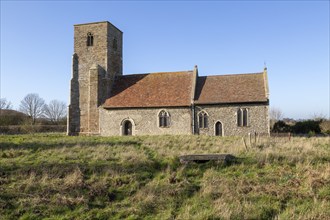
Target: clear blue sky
220	37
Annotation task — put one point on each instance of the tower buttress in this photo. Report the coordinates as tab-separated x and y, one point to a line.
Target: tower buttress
97	60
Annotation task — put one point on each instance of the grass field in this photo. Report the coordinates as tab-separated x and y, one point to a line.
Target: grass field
52	176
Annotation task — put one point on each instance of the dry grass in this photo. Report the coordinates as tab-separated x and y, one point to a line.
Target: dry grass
59	177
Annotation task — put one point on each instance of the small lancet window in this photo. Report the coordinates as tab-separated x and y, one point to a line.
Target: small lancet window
242	117
245	117
114	44
90	39
239	117
164	119
203	120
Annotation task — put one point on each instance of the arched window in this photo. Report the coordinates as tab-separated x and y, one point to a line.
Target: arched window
203	120
242	117
239	117
245	117
164	119
218	129
90	39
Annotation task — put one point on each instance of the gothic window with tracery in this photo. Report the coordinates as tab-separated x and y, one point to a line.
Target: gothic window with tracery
164	119
242	117
203	120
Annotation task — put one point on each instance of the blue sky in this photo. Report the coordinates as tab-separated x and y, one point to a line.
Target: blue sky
221	37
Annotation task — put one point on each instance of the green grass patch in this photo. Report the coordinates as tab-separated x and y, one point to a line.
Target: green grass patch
53	176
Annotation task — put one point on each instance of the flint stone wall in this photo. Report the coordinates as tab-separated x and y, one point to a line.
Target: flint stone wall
145	121
257	121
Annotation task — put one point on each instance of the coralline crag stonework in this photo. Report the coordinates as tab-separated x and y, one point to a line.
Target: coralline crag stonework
105	102
145	121
93	71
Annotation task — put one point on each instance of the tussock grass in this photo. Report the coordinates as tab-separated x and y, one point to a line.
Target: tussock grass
52	176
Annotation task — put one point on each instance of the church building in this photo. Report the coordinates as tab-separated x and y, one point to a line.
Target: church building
105	102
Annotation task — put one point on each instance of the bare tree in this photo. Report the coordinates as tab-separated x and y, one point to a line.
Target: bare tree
55	110
33	106
4	104
275	114
319	117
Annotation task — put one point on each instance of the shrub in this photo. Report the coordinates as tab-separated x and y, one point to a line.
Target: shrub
310	127
325	127
28	129
11	117
281	127
305	127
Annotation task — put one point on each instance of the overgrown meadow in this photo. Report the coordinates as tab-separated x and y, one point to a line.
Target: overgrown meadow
52	176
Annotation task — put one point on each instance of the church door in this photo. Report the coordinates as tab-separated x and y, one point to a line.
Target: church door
218	129
127	128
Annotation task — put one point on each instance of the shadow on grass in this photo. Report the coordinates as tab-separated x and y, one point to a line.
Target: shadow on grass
39	145
122	181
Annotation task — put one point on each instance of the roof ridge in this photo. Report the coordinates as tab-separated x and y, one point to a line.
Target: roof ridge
134	74
233	74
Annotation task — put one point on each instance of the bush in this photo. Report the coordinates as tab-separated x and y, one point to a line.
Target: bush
281	127
310	127
11	117
28	129
325	127
306	127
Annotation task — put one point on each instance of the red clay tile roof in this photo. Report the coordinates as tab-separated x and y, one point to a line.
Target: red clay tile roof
231	89
151	90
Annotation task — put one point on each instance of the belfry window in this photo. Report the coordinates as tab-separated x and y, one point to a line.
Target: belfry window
203	120
90	39
164	119
242	117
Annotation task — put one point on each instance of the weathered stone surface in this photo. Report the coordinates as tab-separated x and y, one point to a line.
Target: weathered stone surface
93	72
227	115
226	158
145	121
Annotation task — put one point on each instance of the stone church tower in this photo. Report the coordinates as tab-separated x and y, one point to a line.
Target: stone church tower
97	59
105	102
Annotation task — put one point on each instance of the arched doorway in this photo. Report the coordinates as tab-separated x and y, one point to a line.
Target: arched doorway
218	129
127	128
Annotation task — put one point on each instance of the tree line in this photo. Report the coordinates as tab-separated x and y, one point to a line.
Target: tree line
35	107
319	124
